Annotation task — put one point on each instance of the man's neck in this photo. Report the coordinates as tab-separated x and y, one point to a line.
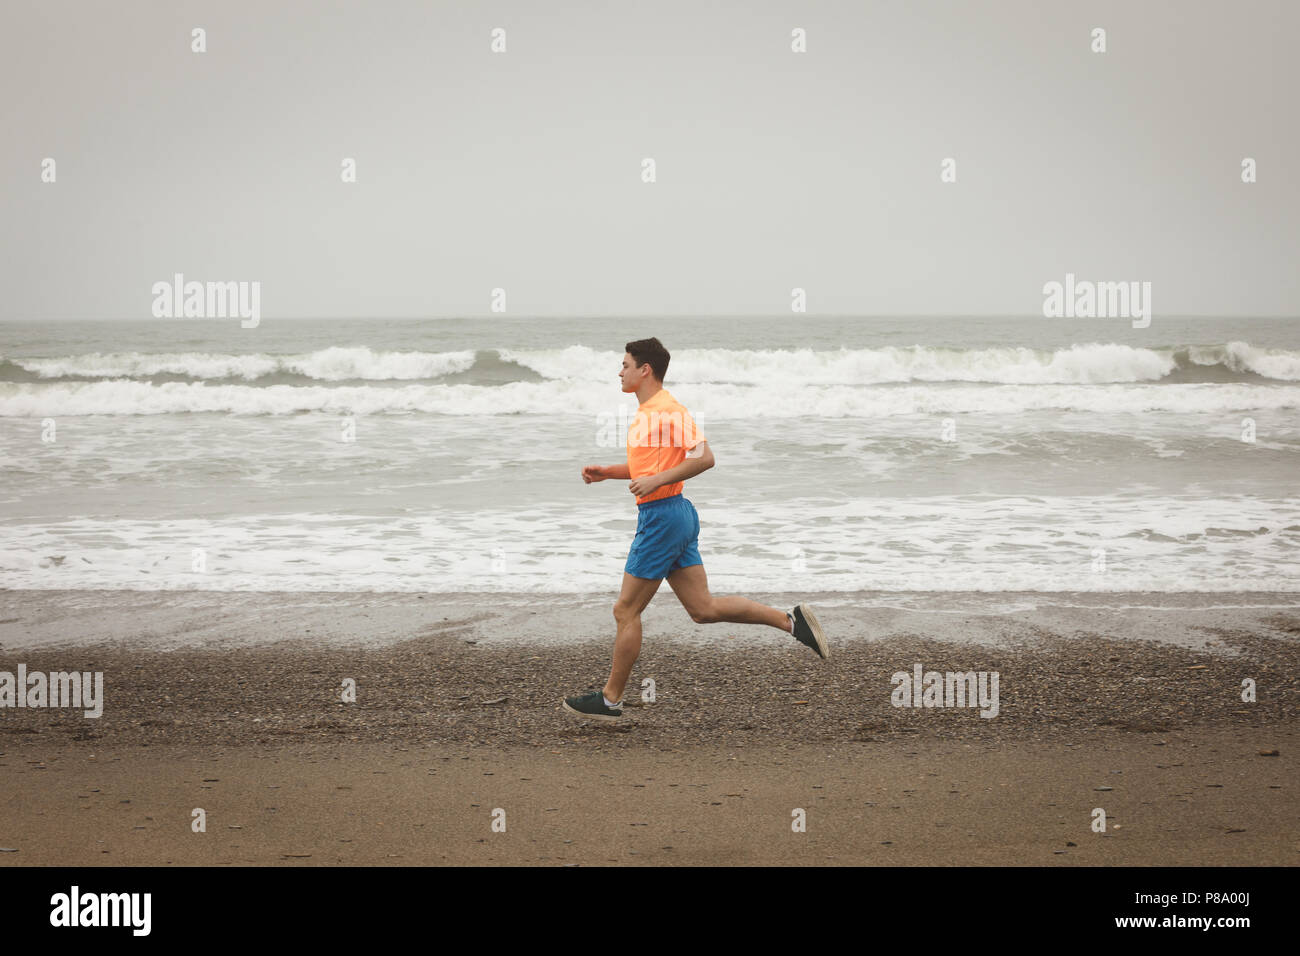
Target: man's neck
647	391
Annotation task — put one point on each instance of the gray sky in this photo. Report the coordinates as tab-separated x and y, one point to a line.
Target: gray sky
775	169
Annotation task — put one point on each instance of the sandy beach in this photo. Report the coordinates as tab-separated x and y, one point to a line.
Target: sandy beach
232	703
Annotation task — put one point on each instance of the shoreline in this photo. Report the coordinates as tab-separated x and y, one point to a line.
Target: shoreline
33	620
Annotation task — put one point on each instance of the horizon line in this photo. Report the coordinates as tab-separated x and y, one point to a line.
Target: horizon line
638	317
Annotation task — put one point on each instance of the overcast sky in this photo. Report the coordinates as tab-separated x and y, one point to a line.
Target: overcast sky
775	169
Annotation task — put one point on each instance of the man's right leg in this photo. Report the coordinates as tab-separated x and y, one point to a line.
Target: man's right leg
691	585
632	600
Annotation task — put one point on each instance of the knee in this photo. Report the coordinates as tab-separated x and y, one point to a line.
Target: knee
623	612
704	614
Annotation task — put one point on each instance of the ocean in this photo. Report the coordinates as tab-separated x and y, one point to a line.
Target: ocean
895	455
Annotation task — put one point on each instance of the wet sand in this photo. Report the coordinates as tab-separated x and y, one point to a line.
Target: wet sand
228	703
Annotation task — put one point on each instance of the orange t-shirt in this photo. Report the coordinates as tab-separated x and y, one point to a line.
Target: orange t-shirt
661	433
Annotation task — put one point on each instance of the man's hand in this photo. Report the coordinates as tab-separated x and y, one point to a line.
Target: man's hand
592	473
644	485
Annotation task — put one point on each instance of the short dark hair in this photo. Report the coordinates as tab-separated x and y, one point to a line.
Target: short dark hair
650	351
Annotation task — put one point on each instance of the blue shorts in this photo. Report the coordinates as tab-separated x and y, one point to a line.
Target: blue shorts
667	535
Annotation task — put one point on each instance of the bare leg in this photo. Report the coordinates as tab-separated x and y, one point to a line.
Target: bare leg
691	585
636	594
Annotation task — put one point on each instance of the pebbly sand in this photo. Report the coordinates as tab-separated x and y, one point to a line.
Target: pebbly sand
231	703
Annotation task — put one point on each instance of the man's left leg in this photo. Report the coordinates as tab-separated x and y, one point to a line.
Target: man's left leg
632	600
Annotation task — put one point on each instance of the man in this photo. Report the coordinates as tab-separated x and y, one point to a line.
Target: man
664	449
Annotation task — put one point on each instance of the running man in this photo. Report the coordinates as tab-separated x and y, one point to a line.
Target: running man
664	448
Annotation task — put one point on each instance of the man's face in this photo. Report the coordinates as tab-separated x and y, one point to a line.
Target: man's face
629	375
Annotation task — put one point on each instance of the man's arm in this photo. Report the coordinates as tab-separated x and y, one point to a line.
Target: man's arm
691	467
592	473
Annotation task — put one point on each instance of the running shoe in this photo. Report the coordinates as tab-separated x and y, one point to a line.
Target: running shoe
592	707
808	631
